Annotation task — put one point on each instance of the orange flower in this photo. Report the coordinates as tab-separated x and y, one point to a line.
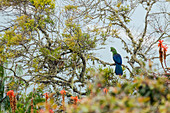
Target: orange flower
10	93
105	90
46	95
63	92
160	43
165	48
51	111
12	99
160	51
75	99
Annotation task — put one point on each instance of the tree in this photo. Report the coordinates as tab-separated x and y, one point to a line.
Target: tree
53	43
114	17
40	40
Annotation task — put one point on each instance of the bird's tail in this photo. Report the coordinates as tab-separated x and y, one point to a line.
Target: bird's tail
118	69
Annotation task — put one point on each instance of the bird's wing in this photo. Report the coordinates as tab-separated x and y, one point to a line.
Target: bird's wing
117	58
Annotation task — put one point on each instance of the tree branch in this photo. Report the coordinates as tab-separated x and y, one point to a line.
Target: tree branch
111	64
81	55
60	83
145	29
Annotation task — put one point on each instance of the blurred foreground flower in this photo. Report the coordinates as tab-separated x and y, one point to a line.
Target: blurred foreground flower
75	99
46	96
63	92
105	90
51	111
10	93
12	98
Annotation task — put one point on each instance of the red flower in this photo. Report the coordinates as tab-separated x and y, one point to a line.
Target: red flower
10	93
160	51
105	90
63	92
75	99
165	48
160	43
51	111
46	95
12	99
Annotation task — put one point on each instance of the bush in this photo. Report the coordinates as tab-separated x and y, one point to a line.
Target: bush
144	94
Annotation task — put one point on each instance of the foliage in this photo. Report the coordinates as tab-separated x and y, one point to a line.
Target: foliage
142	95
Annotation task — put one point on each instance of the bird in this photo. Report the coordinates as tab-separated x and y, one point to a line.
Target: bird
118	61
